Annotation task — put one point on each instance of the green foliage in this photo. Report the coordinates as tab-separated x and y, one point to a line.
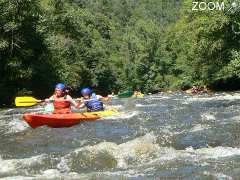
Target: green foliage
77	41
117	45
20	46
200	45
233	67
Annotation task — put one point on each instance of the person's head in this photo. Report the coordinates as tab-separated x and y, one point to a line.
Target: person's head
67	90
59	89
94	85
86	93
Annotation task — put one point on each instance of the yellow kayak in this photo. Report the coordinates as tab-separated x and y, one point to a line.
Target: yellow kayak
138	95
109	112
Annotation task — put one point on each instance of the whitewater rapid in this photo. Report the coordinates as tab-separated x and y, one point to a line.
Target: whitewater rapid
163	136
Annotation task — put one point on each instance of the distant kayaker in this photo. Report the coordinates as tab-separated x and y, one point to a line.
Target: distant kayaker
197	90
92	101
112	94
61	100
137	93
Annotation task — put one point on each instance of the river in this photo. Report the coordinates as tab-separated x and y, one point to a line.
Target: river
163	136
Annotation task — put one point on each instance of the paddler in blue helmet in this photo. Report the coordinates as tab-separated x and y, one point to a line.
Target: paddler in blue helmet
61	100
92	101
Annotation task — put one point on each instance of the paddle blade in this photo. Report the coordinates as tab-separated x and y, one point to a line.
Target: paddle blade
26	101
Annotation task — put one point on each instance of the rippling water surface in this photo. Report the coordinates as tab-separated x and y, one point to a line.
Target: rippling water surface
164	136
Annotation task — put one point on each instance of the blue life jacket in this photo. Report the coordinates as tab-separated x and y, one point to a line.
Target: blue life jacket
93	105
94	95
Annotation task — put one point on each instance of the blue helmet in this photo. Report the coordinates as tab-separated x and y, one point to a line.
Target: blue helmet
86	91
60	86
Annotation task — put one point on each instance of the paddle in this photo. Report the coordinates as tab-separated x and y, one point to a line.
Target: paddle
124	94
26	101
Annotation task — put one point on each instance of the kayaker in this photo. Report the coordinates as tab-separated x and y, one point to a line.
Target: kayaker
195	90
61	100
137	93
112	94
67	90
92	101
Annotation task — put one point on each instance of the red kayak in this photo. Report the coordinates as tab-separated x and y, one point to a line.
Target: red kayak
58	120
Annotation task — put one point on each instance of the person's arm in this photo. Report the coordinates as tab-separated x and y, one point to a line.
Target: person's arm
74	103
49	100
78	104
104	99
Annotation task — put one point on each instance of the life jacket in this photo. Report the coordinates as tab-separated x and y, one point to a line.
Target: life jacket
93	105
61	106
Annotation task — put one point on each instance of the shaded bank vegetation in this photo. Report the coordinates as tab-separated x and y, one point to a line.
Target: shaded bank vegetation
116	45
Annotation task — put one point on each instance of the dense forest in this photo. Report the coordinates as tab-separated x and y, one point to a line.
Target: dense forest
116	45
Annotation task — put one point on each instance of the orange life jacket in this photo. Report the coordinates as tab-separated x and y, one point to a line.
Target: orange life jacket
61	106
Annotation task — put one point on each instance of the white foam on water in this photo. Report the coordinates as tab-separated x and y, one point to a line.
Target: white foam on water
62	166
236	118
235	96
114	106
137	150
51	174
6	166
34	109
185	102
159	97
167	130
218	175
12	166
123	115
6	116
18	178
130	156
127	173
212	153
164	154
38	108
208	116
16	125
146	105
9	110
3	123
55	174
142	150
199	127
